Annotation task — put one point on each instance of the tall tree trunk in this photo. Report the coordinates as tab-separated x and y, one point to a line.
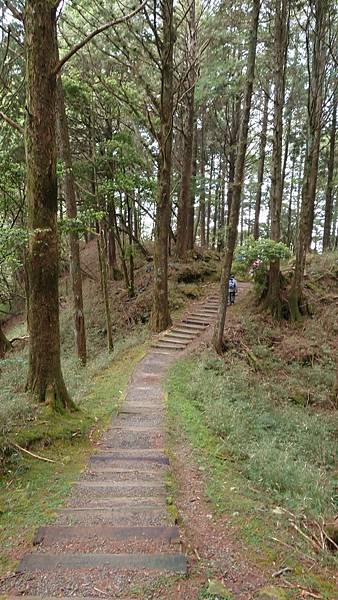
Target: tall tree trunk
211	175
191	210
45	380
216	210
292	183
315	106
202	184
188	134
261	164
238	181
102	244
274	301
160	317
221	232
114	272
329	185
74	246
233	142
131	291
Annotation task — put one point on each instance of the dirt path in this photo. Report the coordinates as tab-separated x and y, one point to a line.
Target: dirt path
115	534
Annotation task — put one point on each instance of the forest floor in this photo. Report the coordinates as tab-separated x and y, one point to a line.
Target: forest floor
252	440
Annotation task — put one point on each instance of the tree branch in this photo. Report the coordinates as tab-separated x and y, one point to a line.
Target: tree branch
94	33
12	123
15	12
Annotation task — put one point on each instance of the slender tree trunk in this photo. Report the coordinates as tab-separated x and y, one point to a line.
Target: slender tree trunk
211	174
221	232
261	164
202	185
234	131
274	301
286	147
188	135
238	181
315	105
329	185
45	380
160	317
114	272
70	196
104	285
216	210
288	235
131	291
191	211
120	244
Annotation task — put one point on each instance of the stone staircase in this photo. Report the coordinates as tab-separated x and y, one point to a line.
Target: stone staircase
115	531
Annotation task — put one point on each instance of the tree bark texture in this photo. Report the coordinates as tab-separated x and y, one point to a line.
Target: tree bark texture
315	107
211	175
188	134
191	209
45	380
5	344
238	180
202	184
102	247
329	185
70	196
261	164
160	317
281	44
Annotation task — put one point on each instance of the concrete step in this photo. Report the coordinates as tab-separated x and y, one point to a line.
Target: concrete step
196	321
173	340
175	563
111	457
162	345
192	332
118	485
104	532
193	327
145	514
184	335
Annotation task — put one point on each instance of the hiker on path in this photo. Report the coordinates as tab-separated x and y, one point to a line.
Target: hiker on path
233	288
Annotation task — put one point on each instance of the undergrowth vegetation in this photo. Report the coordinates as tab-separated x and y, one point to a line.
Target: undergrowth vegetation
277	445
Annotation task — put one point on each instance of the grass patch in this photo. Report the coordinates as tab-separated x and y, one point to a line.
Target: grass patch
256	456
32	490
25	422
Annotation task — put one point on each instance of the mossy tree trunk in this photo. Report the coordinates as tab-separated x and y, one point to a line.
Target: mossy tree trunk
273	300
297	304
74	245
184	202
160	316
45	379
238	180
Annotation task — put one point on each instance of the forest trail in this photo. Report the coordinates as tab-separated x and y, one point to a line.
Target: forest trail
116	533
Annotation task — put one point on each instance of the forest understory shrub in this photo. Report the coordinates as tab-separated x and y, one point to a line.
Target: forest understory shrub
280	444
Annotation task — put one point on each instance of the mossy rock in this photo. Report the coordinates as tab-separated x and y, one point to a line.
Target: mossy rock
217	589
271	593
